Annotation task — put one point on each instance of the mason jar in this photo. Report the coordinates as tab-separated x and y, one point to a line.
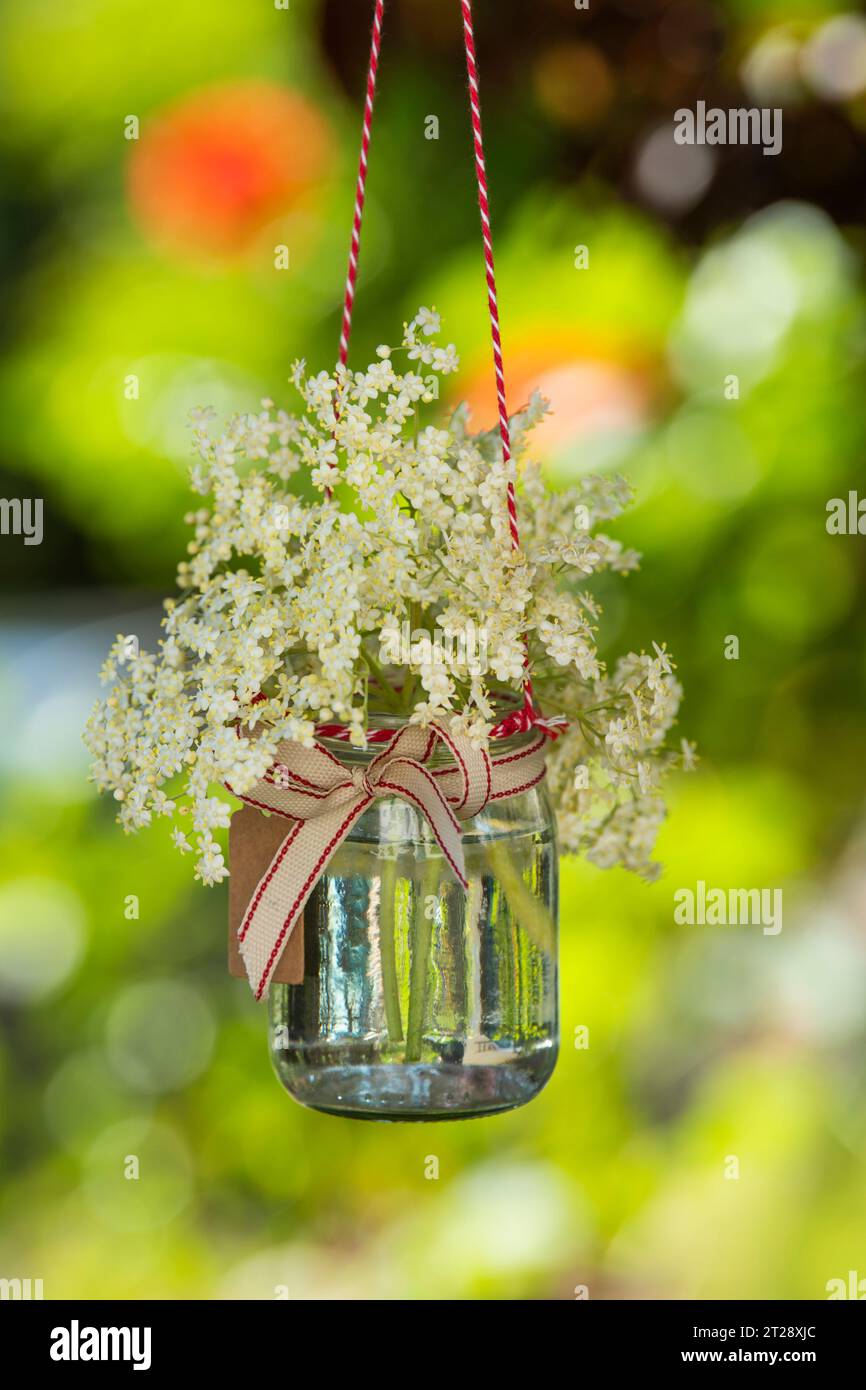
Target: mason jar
422	1000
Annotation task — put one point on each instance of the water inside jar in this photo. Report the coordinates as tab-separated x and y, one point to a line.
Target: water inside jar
421	1000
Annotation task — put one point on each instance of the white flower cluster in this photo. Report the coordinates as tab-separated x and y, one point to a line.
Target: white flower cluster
288	598
605	772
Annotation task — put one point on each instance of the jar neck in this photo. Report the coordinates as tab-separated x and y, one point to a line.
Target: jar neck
354	757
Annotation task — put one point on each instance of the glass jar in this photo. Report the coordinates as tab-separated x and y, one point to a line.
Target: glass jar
422	1001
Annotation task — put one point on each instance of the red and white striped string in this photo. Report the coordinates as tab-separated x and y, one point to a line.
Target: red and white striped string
527	716
493	302
361	191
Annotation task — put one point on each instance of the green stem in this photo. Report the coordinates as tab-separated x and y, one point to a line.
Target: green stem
407	696
529	912
387	952
383	687
422	933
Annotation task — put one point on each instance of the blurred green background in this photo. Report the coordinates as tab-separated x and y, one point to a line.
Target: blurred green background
139	279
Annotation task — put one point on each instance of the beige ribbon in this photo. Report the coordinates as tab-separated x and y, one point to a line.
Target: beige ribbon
323	798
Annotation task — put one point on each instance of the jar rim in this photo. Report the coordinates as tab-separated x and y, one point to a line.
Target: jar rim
348	752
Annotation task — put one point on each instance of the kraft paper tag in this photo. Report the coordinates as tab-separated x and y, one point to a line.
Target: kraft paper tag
253	841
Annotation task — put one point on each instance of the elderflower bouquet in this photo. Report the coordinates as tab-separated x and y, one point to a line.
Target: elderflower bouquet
355	559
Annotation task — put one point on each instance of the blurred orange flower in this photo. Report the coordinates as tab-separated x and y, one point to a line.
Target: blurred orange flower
212	171
594	384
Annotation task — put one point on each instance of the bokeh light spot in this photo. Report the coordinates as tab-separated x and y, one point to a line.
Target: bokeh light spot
42	932
83	1097
671	176
160	1035
573	84
770	72
834	60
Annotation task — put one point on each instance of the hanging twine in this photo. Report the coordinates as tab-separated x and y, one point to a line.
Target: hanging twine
487	236
361	193
527	716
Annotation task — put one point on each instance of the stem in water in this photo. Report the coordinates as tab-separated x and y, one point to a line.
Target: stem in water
387	926
423	919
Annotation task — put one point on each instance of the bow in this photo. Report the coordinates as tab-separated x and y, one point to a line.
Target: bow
323	798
